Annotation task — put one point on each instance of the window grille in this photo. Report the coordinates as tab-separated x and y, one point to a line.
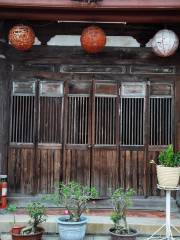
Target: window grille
132	113
159	109
105	120
160	114
50	112
132	126
22	112
77	122
160	121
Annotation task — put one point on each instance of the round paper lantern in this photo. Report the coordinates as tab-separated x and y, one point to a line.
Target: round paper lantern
165	43
21	37
93	39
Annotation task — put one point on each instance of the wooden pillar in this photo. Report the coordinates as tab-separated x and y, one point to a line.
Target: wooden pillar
177	114
177	124
4	111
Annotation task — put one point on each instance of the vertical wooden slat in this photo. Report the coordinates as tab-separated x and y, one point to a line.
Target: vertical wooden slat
105	120
132	121
50	119
78	119
20	170
160	121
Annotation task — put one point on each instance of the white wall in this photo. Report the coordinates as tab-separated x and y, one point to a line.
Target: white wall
74	40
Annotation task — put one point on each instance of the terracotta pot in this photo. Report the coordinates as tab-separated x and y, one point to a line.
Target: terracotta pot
16	229
132	236
35	236
168	176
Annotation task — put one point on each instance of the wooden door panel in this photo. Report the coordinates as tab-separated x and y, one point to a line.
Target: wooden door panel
76	166
104	174
20	170
49	168
132	171
152	174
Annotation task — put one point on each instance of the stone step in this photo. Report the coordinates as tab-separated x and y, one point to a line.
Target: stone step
96	224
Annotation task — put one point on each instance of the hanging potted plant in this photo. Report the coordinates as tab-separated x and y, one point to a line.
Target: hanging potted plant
121	200
74	197
36	211
168	167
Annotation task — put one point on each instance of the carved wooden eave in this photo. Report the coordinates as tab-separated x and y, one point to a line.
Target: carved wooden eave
130	11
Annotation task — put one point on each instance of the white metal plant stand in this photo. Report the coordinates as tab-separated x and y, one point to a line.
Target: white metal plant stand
167	226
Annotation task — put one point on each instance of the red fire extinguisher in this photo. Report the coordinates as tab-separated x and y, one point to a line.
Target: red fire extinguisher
3	188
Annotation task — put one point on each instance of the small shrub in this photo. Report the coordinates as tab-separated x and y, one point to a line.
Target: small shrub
168	158
74	197
36	211
121	200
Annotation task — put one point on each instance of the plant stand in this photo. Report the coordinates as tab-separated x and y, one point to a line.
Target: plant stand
167	226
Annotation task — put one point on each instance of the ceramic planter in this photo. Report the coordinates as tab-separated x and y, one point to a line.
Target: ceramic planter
35	236
16	229
168	176
131	236
72	230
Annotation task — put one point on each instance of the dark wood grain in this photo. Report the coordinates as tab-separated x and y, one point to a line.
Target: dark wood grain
76	166
105	11
20	170
105	171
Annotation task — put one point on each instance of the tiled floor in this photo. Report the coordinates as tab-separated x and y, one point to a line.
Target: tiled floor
55	237
52	237
103	237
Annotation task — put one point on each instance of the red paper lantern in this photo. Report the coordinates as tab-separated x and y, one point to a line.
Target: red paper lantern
93	39
21	37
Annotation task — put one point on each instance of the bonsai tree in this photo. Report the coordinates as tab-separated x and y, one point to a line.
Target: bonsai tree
121	200
36	211
74	197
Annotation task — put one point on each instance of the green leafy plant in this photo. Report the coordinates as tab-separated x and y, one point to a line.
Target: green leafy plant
121	200
74	197
168	158
36	211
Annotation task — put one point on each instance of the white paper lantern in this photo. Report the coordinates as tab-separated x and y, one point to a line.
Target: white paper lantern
165	43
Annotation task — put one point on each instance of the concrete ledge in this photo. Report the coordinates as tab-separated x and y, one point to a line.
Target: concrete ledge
96	224
139	203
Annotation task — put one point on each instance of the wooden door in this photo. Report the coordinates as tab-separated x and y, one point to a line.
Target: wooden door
35	151
99	133
21	155
133	111
77	132
105	158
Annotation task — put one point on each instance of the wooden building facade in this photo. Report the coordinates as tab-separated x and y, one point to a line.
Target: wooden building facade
97	119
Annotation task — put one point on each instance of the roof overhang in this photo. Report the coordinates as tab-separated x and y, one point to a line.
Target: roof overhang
130	11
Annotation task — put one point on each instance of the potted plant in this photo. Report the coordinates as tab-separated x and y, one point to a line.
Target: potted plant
74	197
15	228
168	167
121	200
36	211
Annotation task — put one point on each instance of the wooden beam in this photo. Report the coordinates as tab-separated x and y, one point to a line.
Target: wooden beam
132	11
106	4
61	15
